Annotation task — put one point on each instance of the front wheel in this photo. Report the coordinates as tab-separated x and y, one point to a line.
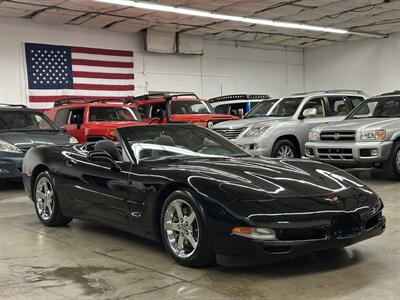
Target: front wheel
183	230
46	202
392	165
284	149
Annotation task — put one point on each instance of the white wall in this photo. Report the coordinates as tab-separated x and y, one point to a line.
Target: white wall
224	68
372	65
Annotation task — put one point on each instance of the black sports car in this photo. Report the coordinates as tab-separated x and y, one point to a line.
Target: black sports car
201	195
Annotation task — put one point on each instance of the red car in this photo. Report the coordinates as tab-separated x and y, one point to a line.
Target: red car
93	120
162	108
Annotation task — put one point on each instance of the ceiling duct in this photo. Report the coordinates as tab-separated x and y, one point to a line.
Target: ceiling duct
159	41
190	44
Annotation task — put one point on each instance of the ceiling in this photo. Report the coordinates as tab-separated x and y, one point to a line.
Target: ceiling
371	16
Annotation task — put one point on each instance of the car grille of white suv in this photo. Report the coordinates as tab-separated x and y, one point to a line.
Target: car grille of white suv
338	135
230	133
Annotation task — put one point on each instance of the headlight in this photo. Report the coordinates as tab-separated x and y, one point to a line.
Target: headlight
313	136
7	147
257	129
255	233
373	135
73	140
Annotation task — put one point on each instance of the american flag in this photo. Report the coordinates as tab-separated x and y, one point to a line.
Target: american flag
57	72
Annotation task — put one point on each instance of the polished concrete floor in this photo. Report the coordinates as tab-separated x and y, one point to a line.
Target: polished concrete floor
89	261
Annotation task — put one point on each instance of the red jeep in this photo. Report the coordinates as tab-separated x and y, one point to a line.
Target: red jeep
93	120
164	108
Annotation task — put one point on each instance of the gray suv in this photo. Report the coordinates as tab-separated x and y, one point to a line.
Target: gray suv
370	136
283	130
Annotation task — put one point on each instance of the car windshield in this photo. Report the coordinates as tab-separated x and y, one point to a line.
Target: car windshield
286	107
25	121
182	107
113	114
176	142
387	107
261	109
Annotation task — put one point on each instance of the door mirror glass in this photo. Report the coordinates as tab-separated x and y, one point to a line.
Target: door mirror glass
310	113
103	158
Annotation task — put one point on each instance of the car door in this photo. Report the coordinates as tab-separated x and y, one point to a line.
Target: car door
97	191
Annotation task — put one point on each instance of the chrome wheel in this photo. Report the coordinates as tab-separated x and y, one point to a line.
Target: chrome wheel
398	161
182	228
44	198
285	151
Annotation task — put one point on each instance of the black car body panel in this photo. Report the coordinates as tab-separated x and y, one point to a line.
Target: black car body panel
299	199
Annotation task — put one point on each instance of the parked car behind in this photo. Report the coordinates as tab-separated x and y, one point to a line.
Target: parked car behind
166	108
236	105
94	119
284	131
370	136
20	129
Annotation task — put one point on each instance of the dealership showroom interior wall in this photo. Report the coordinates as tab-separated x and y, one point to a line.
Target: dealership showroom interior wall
199	149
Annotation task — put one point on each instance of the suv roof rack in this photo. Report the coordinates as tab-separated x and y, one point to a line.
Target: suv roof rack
238	97
333	91
77	100
396	92
13	105
160	95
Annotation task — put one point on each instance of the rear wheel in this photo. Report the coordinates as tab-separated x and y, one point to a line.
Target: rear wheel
46	202
284	149
183	230
392	165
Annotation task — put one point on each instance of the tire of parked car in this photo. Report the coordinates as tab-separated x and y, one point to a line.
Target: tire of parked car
392	166
46	202
184	231
284	148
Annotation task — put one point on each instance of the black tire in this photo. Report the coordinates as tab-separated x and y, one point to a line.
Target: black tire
390	167
202	255
284	143
55	218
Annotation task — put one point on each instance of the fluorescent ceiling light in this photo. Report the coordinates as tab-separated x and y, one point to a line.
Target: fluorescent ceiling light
213	15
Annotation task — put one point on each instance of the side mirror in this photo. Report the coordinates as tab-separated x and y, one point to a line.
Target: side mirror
310	113
102	157
62	129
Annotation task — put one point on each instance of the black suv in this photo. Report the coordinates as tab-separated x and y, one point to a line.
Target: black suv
20	129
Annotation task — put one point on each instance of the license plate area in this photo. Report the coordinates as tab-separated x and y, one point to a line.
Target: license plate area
346	225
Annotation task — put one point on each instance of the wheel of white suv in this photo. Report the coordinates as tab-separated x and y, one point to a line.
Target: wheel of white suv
46	202
284	149
183	230
392	165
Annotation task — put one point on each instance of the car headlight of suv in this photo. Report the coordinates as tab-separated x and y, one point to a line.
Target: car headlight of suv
373	135
73	140
313	136
257	129
7	147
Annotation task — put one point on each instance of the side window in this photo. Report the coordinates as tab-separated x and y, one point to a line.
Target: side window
158	110
223	109
61	117
144	110
318	104
354	101
338	106
76	116
238	109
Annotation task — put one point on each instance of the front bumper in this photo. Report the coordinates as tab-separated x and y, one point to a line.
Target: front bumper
240	251
11	165
349	152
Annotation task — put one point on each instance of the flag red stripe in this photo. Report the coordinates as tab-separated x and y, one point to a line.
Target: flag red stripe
55	98
103	87
102	63
101	51
103	75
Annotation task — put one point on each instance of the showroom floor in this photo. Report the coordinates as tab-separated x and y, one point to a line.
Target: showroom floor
86	260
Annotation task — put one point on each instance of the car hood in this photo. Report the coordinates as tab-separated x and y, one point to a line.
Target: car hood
362	124
248	122
117	124
262	178
27	139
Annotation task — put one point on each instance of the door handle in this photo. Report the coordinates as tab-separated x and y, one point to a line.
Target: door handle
71	162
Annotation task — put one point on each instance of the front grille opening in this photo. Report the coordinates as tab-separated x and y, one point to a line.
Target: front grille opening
301	234
338	135
277	249
373	222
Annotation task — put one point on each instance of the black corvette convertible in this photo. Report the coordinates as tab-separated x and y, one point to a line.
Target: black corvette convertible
201	195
